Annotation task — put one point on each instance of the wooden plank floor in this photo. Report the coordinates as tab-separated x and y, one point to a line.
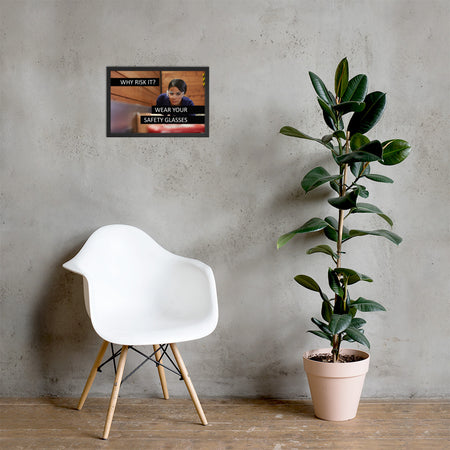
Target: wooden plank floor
54	423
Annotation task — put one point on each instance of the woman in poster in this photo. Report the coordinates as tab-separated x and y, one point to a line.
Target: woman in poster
175	95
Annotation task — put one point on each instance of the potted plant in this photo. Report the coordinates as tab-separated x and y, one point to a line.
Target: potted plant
354	153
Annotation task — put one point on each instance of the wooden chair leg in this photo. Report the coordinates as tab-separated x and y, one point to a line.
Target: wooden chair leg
93	372
188	382
162	375
115	391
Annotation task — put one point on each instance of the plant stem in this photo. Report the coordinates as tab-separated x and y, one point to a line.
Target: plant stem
337	337
342	191
360	175
336	347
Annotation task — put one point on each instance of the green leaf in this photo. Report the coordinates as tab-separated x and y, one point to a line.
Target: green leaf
334	186
321	325
331	234
307	282
373	151
356	89
379	178
346	107
358	140
330	220
337	124
340	306
365	120
320	88
282	240
316	177
339	323
341	78
357	336
291	131
371	209
321	334
329	121
395	238
362	191
395	151
357	322
347	201
334	283
314	224
327	311
326	108
360	169
322	249
357	156
351	276
331	230
364	305
356	168
339	134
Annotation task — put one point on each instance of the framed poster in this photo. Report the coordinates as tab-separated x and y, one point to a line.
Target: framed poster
157	101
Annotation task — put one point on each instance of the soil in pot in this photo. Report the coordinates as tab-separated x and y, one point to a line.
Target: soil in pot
328	357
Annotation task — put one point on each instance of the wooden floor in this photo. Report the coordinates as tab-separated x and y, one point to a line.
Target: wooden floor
233	424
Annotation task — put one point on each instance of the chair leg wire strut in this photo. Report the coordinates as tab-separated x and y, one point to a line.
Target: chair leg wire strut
161	348
159	351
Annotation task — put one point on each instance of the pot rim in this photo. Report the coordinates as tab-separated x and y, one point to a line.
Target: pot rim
345	351
336	370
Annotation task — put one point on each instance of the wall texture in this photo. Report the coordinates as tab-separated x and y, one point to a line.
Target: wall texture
223	199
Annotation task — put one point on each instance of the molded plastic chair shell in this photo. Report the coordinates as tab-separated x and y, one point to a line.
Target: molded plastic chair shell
138	293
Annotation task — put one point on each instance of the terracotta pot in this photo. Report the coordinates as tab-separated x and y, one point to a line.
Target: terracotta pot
336	387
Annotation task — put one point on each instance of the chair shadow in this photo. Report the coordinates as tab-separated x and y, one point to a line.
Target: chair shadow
61	333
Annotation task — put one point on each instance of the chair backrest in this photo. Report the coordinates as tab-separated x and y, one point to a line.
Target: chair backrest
123	267
117	258
117	251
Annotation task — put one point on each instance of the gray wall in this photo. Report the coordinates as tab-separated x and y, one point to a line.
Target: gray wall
223	199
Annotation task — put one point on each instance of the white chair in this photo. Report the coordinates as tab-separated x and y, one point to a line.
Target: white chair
137	293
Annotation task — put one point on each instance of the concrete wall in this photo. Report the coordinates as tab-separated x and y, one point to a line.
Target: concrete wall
223	199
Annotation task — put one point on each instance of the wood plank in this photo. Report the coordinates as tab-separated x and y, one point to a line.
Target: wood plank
234	423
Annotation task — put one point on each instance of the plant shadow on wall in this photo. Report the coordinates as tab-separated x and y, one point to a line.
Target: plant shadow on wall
354	154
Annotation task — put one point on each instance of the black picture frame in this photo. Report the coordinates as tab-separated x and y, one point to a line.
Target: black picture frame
141	104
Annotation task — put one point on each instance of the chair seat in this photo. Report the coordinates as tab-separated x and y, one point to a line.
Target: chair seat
127	330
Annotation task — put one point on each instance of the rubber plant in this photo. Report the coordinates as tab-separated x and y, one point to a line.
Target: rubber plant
354	154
